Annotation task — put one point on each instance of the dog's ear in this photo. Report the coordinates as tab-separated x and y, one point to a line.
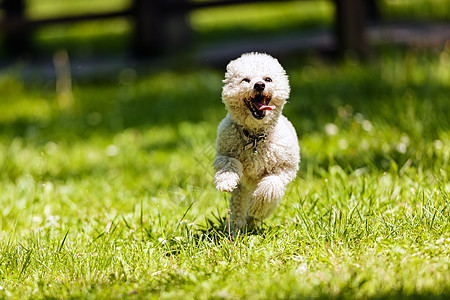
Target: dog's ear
232	71
228	75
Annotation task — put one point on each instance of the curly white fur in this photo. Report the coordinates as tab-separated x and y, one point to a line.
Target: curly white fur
257	181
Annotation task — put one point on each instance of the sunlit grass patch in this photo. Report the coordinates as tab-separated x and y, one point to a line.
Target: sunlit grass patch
39	9
416	9
261	19
113	196
85	39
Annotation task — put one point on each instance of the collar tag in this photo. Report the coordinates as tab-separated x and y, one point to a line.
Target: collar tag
253	140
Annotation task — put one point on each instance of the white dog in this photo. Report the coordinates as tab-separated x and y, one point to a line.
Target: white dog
257	152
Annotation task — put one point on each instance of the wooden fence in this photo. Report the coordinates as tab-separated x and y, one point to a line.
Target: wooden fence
160	25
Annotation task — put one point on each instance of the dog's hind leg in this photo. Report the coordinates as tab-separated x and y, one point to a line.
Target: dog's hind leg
253	223
239	203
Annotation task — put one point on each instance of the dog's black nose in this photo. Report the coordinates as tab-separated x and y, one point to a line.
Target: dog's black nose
259	86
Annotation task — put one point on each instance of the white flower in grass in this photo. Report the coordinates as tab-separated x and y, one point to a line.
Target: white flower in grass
302	268
52	221
440	241
184	221
178	238
162	240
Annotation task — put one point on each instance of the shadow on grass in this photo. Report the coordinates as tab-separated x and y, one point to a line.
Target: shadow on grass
391	100
177	96
216	230
166	98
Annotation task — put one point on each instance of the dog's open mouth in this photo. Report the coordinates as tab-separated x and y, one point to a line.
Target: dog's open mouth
258	105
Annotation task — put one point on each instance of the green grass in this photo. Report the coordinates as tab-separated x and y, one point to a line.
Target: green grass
113	197
428	10
40	9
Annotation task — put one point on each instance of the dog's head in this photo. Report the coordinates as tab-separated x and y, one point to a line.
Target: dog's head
256	88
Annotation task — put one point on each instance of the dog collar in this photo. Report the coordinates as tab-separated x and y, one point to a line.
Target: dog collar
253	140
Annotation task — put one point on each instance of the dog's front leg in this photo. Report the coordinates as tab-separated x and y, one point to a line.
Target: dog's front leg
228	173
265	198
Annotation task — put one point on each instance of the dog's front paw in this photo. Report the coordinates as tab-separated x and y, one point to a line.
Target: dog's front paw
269	189
266	197
226	181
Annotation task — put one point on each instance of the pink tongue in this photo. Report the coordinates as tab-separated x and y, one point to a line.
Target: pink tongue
268	107
261	106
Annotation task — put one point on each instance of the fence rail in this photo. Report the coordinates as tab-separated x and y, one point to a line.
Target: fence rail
154	21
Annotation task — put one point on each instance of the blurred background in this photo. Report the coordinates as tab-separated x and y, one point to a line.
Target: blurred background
213	30
370	81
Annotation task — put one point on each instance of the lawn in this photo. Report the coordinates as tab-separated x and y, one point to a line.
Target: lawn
110	195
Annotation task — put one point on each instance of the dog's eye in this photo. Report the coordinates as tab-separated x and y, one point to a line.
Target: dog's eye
246	80
268	79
